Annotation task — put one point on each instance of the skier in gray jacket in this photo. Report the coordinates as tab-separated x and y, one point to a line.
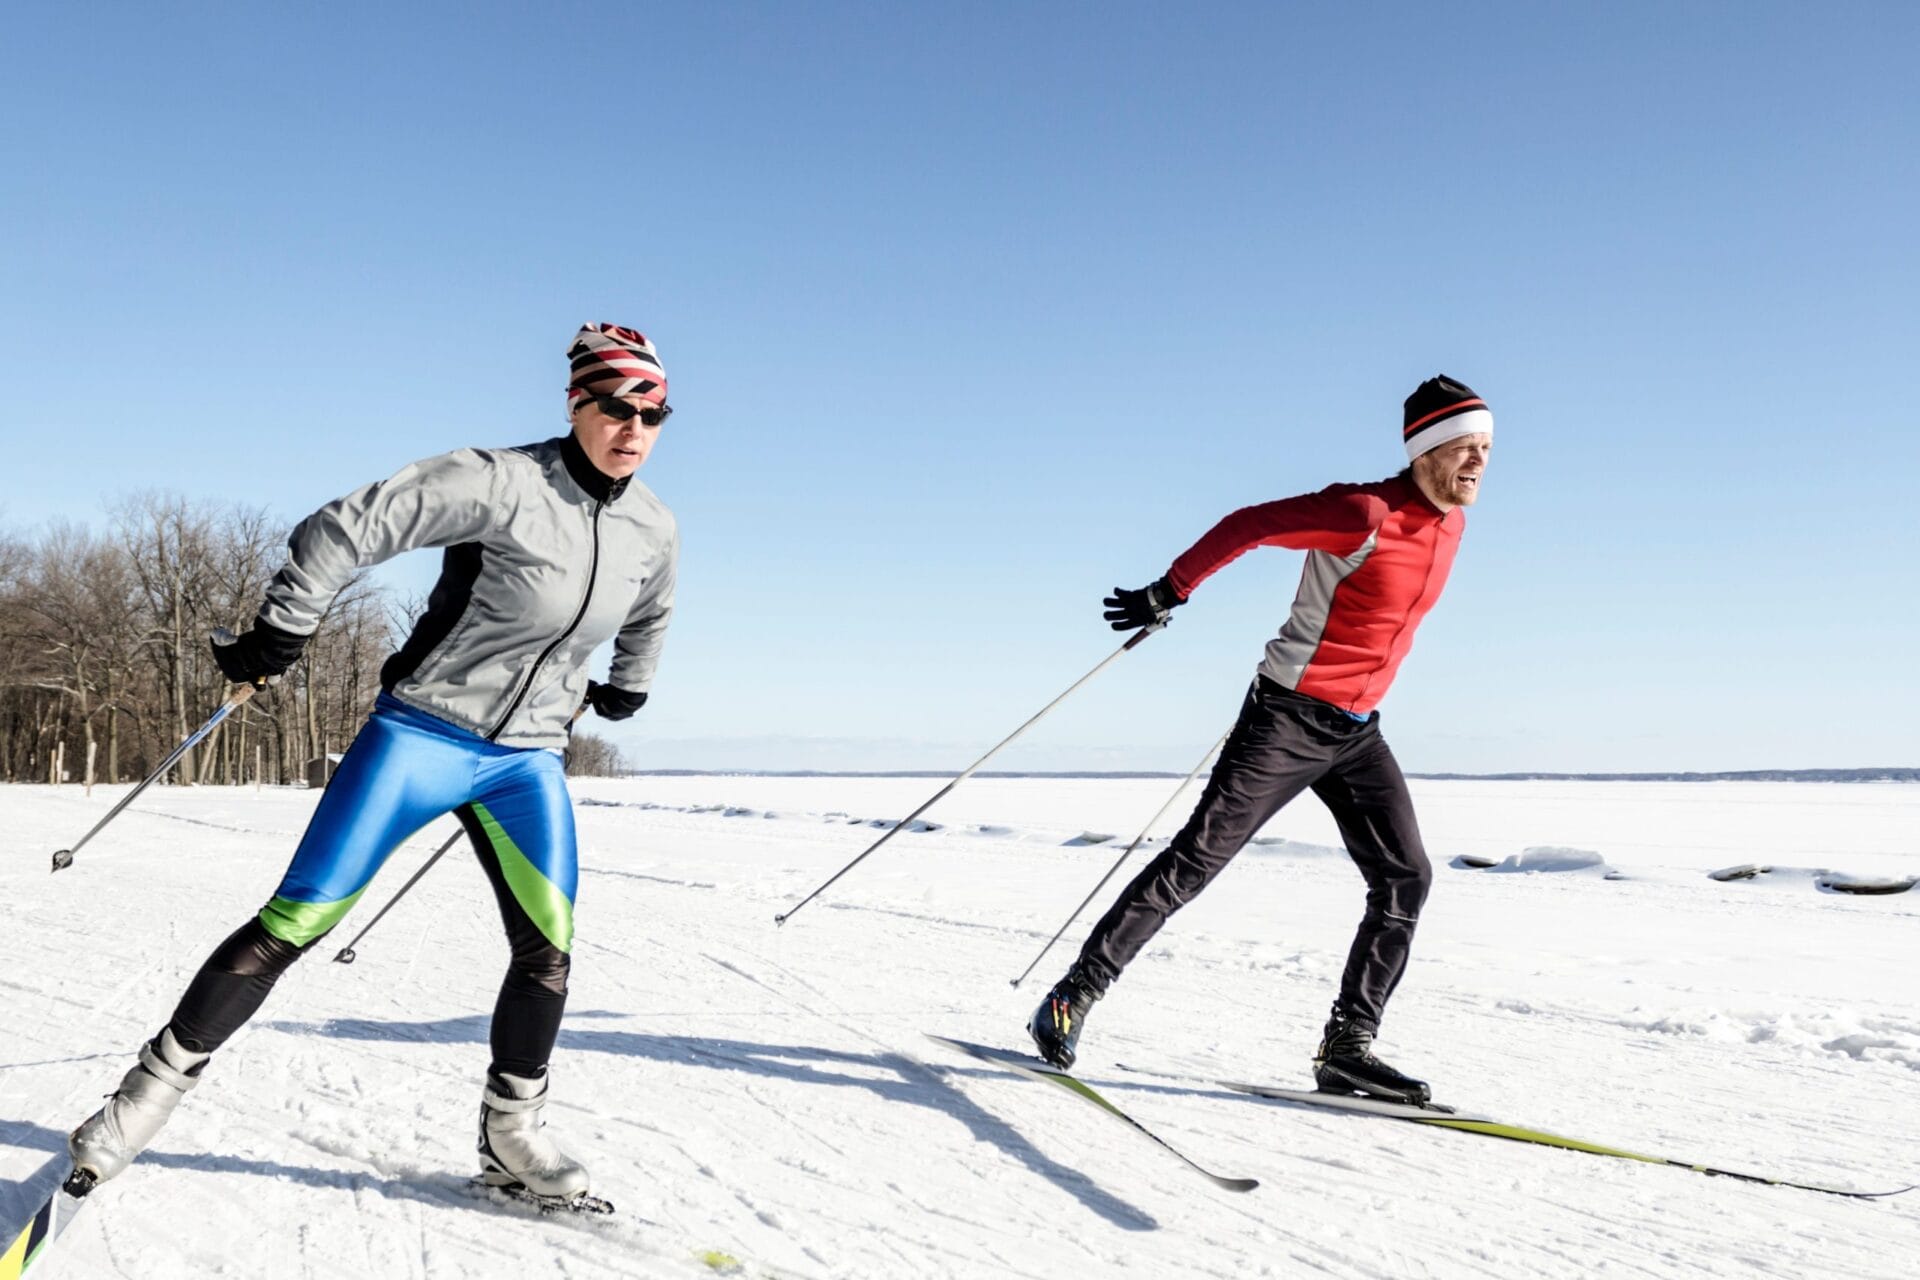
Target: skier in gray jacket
551	549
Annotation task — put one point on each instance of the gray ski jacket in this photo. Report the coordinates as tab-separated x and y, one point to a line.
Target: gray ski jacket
546	558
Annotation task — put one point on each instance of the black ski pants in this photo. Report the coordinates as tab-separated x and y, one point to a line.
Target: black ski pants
1282	744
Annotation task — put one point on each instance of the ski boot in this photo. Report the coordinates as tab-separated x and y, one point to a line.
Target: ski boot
1345	1064
1056	1024
514	1152
108	1140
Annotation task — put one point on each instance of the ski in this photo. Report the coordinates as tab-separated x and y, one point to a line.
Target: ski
1315	1097
582	1203
1446	1118
46	1225
1034	1068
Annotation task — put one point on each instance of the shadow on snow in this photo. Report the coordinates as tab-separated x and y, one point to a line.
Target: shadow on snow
900	1079
433	1187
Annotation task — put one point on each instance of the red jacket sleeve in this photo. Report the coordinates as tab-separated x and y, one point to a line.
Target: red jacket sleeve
1338	519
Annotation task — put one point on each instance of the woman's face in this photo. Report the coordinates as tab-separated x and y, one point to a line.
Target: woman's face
615	446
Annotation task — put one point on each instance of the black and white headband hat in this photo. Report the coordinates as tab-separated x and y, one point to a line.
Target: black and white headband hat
1440	410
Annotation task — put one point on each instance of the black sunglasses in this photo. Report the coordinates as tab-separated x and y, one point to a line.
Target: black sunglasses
620	411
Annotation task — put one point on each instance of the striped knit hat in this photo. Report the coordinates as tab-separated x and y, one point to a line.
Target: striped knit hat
1440	410
611	360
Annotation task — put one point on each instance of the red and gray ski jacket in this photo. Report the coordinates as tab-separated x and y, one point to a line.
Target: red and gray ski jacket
1377	558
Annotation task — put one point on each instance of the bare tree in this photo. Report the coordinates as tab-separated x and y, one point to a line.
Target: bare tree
169	545
107	636
591	756
77	609
20	662
243	552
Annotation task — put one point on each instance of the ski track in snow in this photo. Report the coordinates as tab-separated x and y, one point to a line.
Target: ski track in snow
763	1094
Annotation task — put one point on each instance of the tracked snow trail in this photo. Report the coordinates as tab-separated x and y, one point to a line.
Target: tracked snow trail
763	1093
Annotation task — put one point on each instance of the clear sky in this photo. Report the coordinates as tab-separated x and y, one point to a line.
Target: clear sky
973	312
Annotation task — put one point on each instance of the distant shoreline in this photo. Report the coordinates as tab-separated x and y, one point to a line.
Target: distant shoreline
1748	775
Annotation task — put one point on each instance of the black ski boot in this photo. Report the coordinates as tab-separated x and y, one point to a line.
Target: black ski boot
1057	1022
1345	1064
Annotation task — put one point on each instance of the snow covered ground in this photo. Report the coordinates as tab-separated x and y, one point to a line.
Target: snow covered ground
760	1101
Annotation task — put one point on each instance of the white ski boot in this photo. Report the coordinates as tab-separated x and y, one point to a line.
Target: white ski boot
515	1153
108	1140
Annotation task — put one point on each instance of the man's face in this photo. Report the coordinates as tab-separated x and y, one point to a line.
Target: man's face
1450	473
616	447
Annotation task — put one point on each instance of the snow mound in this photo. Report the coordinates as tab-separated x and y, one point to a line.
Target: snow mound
1839	882
1552	857
918	825
1825	879
1871	1038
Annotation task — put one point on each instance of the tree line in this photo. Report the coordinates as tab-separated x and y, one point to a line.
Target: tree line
104	654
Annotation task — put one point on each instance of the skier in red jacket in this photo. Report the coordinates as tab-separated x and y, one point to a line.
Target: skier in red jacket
1377	558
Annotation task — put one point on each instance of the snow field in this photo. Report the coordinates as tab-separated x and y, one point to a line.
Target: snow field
761	1101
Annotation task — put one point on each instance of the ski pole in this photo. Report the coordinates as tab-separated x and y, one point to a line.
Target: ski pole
347	954
1111	871
1132	640
63	858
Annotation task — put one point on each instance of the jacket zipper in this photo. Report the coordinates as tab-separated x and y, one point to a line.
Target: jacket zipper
526	684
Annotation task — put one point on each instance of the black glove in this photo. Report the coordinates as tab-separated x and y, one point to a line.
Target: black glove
1149	606
258	656
612	703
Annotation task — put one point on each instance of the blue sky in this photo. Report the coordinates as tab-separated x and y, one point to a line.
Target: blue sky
972	313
